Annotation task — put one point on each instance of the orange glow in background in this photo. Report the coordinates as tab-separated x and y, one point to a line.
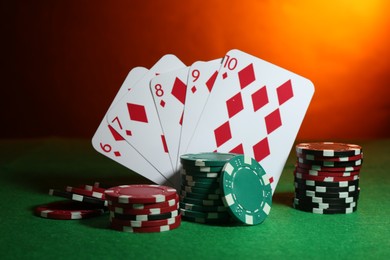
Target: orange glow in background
64	61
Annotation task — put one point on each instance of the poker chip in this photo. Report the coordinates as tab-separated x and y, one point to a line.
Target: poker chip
323	178
82	191
202	202
326	177
68	210
148	229
149	211
203	196
206	159
328	149
326	211
77	197
327	184
327	173
183	172
304	203
143	208
205	215
201	190
201	184
200	208
246	190
311	157
332	164
207	221
145	193
303	187
202	169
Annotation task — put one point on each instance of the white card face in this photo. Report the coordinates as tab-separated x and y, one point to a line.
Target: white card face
111	144
169	94
201	78
135	118
255	108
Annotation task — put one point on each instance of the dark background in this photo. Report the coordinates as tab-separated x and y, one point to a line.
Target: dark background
62	62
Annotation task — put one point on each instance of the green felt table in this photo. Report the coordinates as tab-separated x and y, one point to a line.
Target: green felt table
28	168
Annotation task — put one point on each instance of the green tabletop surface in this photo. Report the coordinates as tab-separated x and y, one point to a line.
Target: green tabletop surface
30	167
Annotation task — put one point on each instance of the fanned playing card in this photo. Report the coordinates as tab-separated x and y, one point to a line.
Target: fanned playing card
110	143
169	94
255	108
135	118
201	78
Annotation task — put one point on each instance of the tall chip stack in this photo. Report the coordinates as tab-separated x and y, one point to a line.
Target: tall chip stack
326	177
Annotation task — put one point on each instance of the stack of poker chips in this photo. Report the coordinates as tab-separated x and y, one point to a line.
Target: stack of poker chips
326	177
219	188
143	208
82	202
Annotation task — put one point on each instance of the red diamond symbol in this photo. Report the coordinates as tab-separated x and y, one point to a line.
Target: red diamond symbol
246	76
285	92
137	112
222	134
224	75
271	180
239	149
193	89
181	118
273	121
179	90
211	80
128	132
234	105
162	103
261	150
259	98
117	153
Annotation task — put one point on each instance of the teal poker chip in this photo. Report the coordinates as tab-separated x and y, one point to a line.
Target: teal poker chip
199	179
207	221
201	202
206	159
246	190
204	215
202	208
201	190
199	184
184	172
203	196
201	169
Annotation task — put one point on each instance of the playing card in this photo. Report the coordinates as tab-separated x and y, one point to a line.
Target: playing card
110	143
135	118
255	108
201	78
169	94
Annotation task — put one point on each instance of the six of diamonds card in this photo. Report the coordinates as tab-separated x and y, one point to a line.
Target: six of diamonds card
237	104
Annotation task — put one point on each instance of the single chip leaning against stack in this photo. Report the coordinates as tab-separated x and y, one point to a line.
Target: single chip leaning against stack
217	187
326	177
143	208
83	202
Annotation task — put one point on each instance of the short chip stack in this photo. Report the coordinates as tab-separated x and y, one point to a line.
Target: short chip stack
143	208
221	187
326	177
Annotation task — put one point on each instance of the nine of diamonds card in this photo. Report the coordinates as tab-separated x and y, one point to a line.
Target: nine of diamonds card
239	104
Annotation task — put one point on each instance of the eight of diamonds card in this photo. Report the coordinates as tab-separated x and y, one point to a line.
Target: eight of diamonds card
255	108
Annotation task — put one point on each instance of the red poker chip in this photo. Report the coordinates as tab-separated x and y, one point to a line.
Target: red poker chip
150	211
82	191
68	210
142	193
330	163
164	204
311	157
151	229
327	173
93	188
330	169
303	176
329	149
146	223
